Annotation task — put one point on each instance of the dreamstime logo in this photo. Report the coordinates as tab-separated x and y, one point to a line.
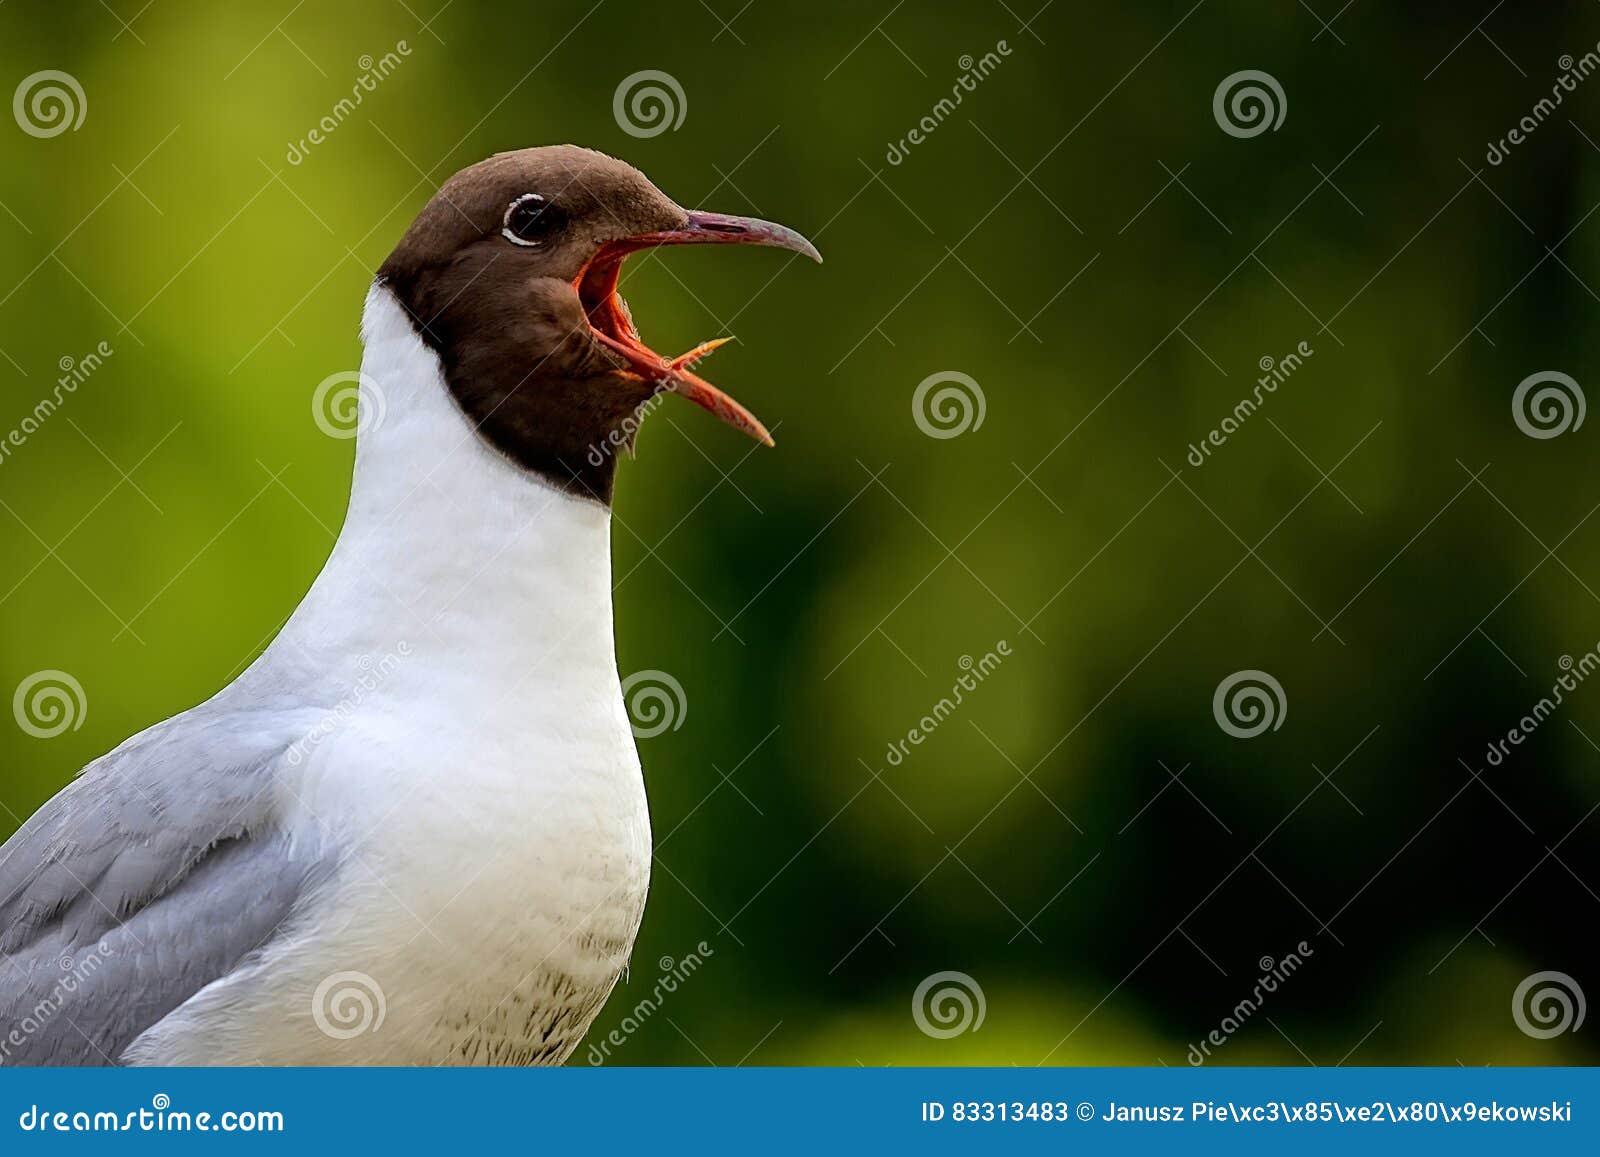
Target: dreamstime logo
973	73
1548	1004
1573	73
1548	404
621	436
656	703
1248	703
373	73
973	673
49	103
74	372
1248	103
348	404
49	703
1572	674
75	974
649	103
371	673
347	1004
1274	372
948	1004
958	405
1274	973
674	974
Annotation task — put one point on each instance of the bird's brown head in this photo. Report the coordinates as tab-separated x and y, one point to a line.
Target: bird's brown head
510	276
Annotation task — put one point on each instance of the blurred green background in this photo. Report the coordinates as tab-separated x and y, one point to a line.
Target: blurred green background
1082	239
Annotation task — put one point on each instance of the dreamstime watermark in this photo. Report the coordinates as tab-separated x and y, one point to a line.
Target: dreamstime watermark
948	1004
1273	974
373	73
622	435
49	103
74	372
49	703
159	1118
1573	72
674	974
75	972
348	404
1574	673
649	103
1548	404
974	672
347	1004
948	404
656	703
973	72
1547	1004
1248	103
1248	702
372	674
1274	372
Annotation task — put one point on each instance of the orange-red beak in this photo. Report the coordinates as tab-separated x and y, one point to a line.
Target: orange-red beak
612	327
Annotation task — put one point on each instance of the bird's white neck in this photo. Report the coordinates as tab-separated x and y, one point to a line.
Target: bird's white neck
450	549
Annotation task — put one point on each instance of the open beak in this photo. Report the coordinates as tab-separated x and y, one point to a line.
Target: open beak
612	327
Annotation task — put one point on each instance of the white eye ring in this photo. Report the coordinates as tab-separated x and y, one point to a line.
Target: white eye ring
505	224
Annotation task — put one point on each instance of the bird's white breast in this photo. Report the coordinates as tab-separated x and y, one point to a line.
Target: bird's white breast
469	748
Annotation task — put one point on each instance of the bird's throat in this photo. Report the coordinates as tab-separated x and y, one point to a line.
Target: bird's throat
447	544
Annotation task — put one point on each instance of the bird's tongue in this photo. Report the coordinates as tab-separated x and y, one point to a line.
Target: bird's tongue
610	324
612	327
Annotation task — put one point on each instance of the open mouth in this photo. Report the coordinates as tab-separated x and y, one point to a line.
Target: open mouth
612	327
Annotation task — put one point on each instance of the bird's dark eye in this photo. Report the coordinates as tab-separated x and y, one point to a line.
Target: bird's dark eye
531	220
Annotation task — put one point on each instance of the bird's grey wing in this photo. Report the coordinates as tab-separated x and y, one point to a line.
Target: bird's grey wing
154	873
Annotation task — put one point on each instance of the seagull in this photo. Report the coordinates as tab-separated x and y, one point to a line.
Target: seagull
414	831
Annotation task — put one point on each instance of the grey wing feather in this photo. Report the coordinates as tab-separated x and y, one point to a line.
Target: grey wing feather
154	873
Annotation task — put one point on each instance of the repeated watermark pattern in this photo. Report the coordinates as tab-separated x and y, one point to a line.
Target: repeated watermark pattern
49	103
1274	974
656	703
75	973
1573	673
973	674
1548	404
348	1004
973	73
1248	703
1573	73
1248	103
649	103
1009	155
74	372
371	673
1547	1004
348	404
620	438
49	703
948	1004
675	973
1274	372
374	71
948	404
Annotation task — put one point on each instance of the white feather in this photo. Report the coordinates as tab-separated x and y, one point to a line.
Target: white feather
472	752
